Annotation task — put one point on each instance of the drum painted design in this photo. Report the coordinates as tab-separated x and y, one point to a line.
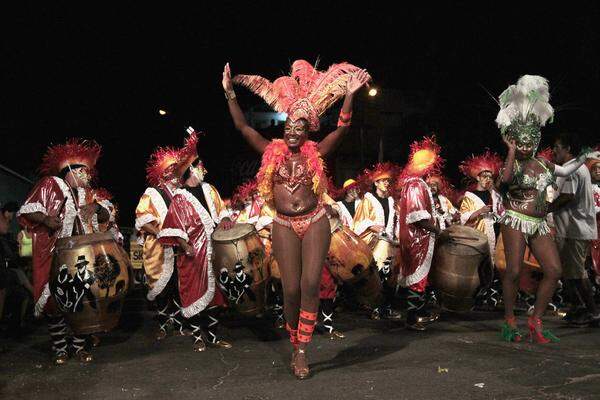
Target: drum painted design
456	267
89	281
349	258
241	265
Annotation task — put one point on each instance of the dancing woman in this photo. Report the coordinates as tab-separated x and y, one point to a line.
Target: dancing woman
292	179
524	109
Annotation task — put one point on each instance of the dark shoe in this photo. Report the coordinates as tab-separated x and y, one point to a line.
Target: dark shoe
428	318
416	326
391	314
335	335
85	356
60	358
199	346
161	334
220	344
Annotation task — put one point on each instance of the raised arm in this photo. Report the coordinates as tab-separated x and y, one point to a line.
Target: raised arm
255	139
330	142
507	172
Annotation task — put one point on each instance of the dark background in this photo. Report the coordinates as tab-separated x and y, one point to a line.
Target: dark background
104	72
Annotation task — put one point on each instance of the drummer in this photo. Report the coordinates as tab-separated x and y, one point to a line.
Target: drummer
444	211
375	217
158	260
417	229
60	206
189	225
347	206
481	207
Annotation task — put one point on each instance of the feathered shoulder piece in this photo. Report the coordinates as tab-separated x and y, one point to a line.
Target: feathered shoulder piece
524	109
306	93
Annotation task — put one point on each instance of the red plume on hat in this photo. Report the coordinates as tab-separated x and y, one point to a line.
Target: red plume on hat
73	152
424	158
242	193
475	165
188	153
161	165
306	93
384	170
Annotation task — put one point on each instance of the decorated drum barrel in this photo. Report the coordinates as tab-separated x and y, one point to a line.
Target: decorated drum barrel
89	281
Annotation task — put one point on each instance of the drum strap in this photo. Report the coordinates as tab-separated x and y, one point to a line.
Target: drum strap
198	193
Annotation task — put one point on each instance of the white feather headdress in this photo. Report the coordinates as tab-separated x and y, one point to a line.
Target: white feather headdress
525	108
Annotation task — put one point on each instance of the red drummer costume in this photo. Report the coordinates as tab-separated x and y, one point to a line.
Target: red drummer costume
61	204
416	228
159	260
189	225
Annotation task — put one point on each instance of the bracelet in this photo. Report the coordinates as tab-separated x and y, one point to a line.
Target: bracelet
229	94
343	123
345	116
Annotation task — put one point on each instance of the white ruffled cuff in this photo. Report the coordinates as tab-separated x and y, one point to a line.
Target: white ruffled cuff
417	216
172	232
31	208
143	220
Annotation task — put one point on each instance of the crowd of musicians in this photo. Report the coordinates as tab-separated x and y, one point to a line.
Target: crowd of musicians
292	243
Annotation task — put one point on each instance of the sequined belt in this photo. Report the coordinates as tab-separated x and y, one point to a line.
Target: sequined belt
300	223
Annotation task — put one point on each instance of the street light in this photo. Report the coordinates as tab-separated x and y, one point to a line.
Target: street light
373	92
162	112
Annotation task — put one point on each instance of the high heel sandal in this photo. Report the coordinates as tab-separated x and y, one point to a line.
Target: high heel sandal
510	333
538	334
301	372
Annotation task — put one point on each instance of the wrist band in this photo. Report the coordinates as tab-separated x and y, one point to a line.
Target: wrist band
229	94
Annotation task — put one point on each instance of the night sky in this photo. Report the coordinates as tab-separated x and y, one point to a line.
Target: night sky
103	73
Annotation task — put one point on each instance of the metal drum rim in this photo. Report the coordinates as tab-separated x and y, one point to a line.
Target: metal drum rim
225	241
67	242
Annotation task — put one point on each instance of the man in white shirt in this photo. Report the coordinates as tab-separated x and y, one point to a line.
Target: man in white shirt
575	221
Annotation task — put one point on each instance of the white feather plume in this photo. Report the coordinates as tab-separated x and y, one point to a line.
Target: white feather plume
529	97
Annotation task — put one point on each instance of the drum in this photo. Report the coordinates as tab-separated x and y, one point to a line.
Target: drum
384	252
531	271
89	280
349	257
455	267
240	263
369	288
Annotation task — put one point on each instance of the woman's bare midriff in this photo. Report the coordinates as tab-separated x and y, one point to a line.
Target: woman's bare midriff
302	201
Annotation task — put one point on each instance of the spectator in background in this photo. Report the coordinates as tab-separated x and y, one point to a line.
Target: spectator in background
575	221
14	285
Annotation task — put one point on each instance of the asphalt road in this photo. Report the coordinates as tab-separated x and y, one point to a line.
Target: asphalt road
459	357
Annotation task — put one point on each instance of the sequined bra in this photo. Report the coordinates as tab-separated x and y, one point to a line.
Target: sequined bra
294	178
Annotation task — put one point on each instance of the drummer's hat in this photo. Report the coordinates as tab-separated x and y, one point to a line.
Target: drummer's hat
349	184
424	158
75	153
161	165
476	164
188	154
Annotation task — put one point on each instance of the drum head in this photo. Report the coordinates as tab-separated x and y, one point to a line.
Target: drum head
237	232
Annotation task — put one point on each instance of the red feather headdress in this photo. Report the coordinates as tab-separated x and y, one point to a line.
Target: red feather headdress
188	153
306	93
161	165
74	151
475	165
242	193
424	158
383	170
